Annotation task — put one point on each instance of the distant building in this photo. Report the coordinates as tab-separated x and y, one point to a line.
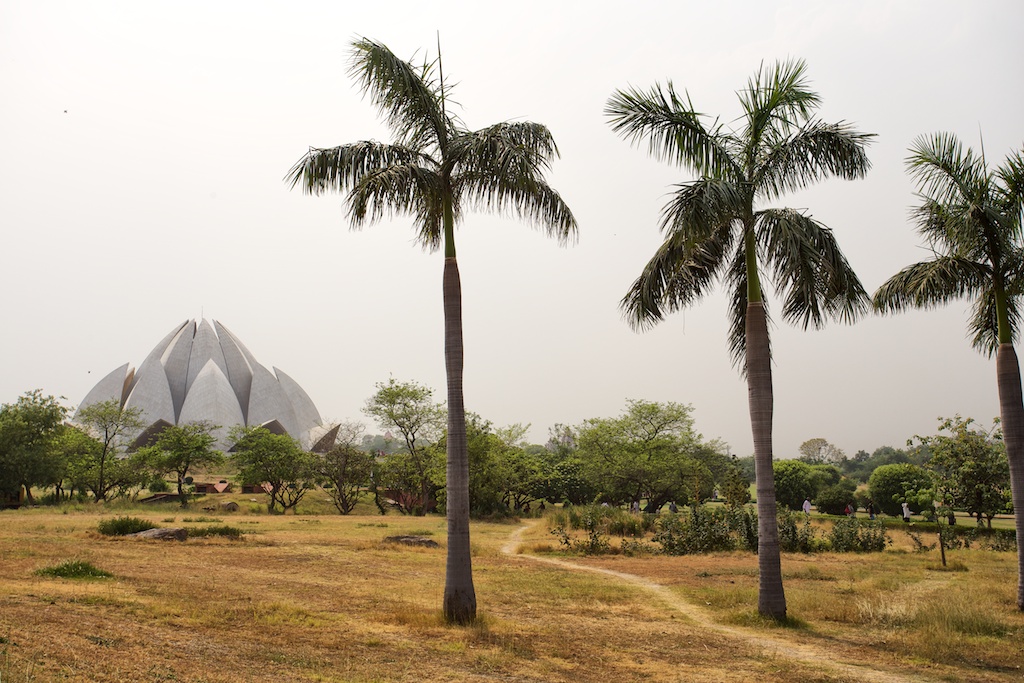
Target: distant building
203	372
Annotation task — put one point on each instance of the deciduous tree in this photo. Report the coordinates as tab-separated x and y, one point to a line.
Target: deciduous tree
409	409
107	469
182	449
972	472
276	460
649	453
27	431
346	467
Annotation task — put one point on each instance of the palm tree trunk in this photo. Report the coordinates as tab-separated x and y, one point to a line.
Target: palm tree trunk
771	599
459	595
1011	413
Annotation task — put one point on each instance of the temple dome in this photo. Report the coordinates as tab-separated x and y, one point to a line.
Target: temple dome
203	372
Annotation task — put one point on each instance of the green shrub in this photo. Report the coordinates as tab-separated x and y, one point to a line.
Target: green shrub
158	485
224	530
1003	540
832	500
796	537
743	522
858	536
122	526
793	483
890	484
702	530
587	518
74	569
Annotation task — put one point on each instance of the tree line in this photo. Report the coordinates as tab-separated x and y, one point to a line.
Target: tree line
648	457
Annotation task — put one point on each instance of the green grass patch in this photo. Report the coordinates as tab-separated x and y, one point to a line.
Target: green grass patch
122	526
223	530
74	569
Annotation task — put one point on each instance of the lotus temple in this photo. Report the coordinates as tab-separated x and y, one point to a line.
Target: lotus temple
201	371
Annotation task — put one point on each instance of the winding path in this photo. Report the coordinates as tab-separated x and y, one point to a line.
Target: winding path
780	647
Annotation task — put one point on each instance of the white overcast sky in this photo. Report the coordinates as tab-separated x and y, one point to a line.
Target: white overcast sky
143	146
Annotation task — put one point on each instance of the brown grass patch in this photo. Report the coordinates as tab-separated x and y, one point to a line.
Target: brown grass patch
322	599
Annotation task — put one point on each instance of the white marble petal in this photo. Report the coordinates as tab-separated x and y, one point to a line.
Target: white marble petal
268	401
239	367
175	362
305	412
211	398
111	386
151	393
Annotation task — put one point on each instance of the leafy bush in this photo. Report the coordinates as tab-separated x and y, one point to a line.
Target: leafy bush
793	483
859	536
158	485
794	537
1003	540
743	521
889	485
832	500
596	543
633	548
122	526
702	530
224	530
74	569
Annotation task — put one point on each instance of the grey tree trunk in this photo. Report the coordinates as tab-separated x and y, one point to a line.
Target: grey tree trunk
459	594
1011	414
771	599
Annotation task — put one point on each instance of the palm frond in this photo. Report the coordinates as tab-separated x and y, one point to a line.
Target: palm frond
531	200
736	282
984	322
950	228
817	151
777	101
512	148
674	130
337	169
702	207
944	171
502	167
1011	191
680	272
931	284
408	97
809	269
401	189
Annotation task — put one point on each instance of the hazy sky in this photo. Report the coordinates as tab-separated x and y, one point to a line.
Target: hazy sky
143	146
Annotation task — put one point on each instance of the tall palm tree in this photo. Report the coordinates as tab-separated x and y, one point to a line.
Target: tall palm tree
715	231
434	171
971	218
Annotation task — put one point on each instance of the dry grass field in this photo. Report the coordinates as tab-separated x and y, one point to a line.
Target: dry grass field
322	598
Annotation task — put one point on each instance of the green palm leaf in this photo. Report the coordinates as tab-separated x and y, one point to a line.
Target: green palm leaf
816	151
809	269
673	129
409	98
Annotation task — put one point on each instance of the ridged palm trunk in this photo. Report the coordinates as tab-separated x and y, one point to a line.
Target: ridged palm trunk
771	598
1011	413
459	594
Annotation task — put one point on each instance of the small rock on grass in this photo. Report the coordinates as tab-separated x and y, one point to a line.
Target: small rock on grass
412	540
163	534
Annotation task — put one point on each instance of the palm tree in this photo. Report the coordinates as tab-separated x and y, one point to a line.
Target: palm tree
715	232
434	171
971	218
